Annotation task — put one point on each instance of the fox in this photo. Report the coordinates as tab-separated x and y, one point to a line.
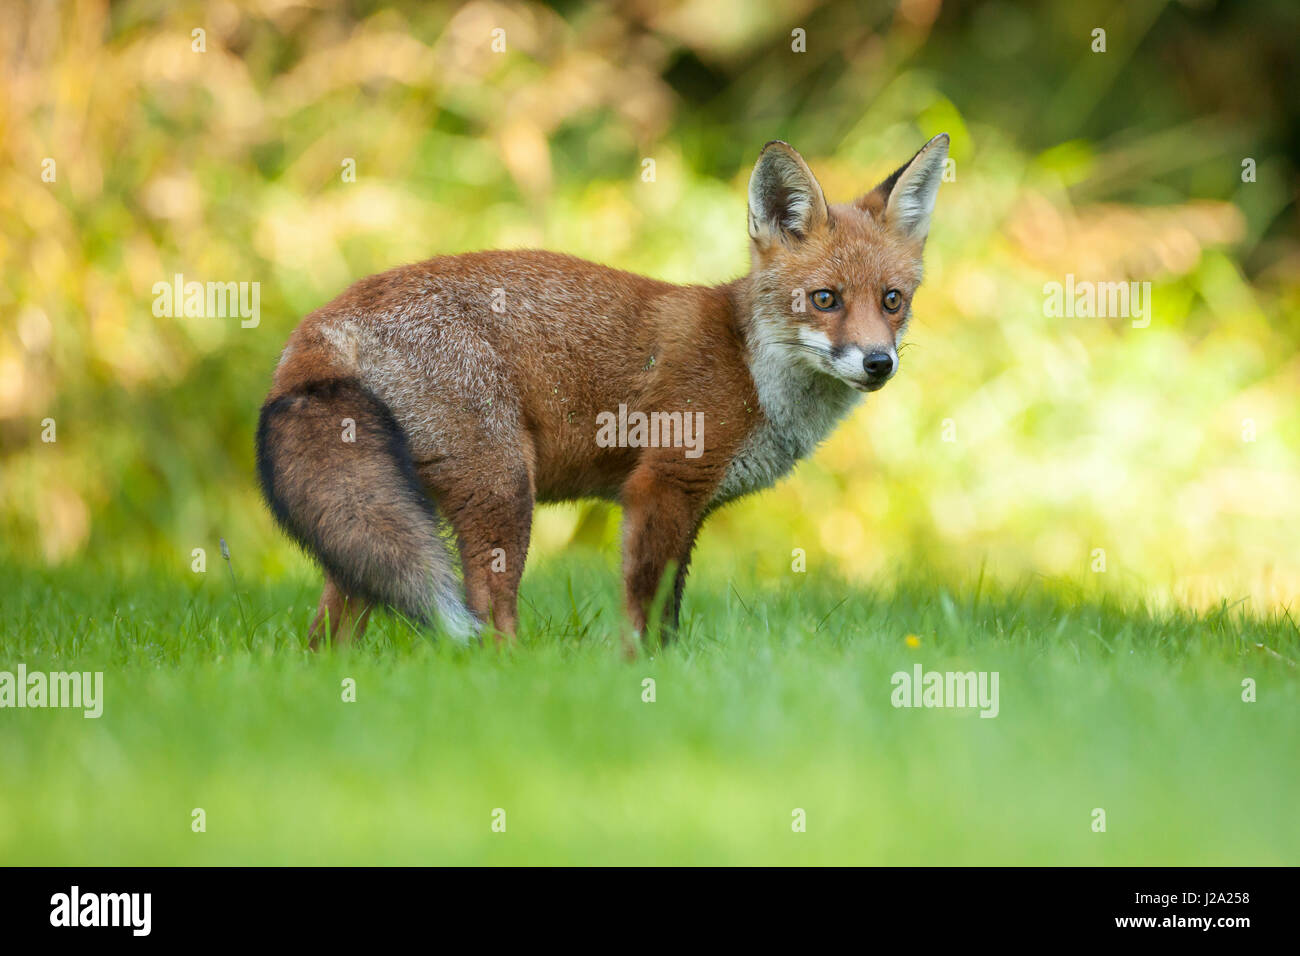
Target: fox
439	403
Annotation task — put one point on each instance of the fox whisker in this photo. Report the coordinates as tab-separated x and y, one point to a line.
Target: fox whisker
794	343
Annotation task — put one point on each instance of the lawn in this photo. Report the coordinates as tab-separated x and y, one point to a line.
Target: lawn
776	699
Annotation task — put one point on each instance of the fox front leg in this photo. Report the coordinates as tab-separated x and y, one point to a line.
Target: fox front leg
659	524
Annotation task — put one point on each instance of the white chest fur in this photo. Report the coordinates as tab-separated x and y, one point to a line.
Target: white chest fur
801	406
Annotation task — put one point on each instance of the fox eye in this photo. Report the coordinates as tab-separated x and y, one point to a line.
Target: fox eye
825	300
892	300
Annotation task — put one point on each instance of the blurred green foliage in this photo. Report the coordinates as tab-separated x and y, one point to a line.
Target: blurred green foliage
1068	434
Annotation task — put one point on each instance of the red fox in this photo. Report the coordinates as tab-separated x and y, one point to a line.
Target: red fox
491	381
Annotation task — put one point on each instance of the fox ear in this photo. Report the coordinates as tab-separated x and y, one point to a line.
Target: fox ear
785	201
905	200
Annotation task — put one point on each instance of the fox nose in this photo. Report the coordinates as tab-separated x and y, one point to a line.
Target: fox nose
878	365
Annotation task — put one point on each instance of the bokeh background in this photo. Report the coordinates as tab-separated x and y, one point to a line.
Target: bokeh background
1069	434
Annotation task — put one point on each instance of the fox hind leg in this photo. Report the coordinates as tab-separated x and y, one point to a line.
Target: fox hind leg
340	618
493	522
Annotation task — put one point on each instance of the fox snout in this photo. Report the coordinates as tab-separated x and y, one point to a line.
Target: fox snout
866	368
879	367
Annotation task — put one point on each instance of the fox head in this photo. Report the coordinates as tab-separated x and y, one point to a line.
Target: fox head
833	285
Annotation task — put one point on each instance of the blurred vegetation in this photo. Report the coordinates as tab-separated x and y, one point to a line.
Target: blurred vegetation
778	696
1070	434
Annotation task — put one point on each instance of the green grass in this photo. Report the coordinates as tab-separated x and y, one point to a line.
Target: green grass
776	698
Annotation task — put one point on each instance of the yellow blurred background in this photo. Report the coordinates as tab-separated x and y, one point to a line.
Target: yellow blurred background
133	148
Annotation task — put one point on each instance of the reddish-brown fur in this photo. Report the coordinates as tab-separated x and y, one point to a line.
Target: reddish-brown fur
498	407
